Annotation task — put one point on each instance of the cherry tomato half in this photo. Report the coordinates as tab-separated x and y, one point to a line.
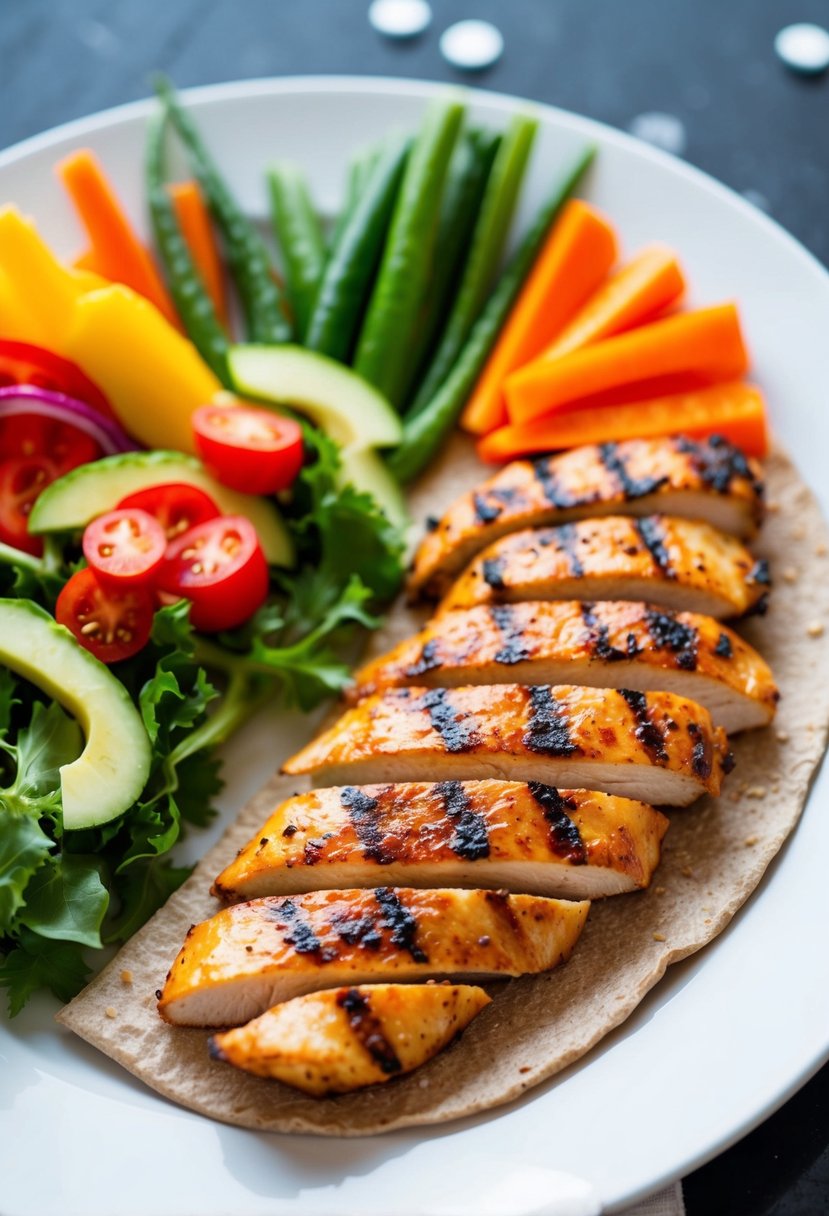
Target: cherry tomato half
177	506
220	567
21	480
124	547
248	449
24	363
33	435
112	623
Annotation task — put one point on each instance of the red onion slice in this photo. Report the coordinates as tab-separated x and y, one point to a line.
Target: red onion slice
26	399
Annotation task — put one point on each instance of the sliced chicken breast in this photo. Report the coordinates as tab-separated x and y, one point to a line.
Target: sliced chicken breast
523	837
678	563
251	956
343	1039
610	644
655	747
695	479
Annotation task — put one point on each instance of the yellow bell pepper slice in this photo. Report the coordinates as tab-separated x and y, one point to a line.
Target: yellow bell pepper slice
153	377
17	324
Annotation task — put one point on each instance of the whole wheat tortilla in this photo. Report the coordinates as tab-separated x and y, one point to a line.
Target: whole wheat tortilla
714	856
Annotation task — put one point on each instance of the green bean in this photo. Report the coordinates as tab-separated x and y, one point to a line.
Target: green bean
359	171
464	189
488	243
424	432
298	231
192	300
247	254
385	347
351	269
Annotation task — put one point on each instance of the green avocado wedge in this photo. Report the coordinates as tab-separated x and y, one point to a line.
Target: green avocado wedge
79	496
112	770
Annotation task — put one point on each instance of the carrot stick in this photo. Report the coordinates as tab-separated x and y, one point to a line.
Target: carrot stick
86	261
706	344
197	230
119	254
636	293
735	410
574	259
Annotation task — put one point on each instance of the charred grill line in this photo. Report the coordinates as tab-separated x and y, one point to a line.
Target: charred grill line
565	838
548	730
723	647
429	660
598	636
701	754
550	488
653	539
567	537
513	649
647	734
670	634
301	936
718	463
470	839
362	811
401	922
493	572
368	1029
486	512
630	486
456	736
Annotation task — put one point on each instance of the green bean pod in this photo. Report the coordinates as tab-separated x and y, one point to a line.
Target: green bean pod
299	234
357	174
191	298
385	348
351	269
246	252
425	431
488	243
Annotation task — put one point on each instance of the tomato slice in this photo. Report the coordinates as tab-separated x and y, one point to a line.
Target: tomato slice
125	546
21	480
24	363
177	506
249	449
220	567
33	435
112	623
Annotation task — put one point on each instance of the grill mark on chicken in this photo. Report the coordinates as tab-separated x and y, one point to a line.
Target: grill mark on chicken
566	538
670	634
301	936
457	735
718	463
402	923
362	810
513	649
646	732
493	572
631	487
358	931
486	512
565	838
653	539
701	758
553	492
471	836
368	1028
760	573
598	637
429	660
723	647
547	731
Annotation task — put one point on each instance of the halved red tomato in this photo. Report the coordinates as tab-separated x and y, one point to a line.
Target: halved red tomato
24	363
124	547
24	435
249	449
177	506
220	567
112	623
21	480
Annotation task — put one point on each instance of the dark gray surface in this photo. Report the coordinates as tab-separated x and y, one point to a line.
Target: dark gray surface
709	63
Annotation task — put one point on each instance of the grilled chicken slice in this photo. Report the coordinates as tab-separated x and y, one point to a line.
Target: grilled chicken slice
346	1038
678	563
603	645
695	479
251	956
656	747
522	837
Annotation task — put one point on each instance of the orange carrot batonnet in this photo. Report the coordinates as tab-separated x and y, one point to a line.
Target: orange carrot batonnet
633	295
117	253
706	344
197	230
735	409
573	261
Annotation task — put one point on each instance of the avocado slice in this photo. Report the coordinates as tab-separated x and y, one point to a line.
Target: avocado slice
341	403
112	770
366	471
82	494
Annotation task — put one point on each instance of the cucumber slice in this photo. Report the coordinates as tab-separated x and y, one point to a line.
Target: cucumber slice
78	497
112	770
336	399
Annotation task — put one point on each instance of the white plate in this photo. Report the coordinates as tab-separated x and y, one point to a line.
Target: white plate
721	1042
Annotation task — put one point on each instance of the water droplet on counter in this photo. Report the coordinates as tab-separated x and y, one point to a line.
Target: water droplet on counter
400	18
472	45
757	199
662	130
804	48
